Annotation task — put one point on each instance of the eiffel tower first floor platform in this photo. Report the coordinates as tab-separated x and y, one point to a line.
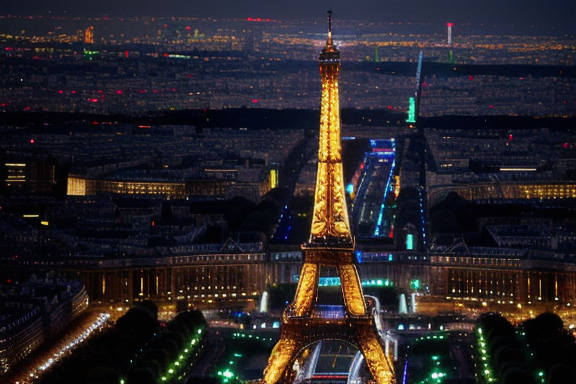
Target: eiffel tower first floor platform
301	332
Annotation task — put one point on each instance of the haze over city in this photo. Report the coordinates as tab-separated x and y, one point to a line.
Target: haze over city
525	17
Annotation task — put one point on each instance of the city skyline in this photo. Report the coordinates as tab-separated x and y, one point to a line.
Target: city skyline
527	17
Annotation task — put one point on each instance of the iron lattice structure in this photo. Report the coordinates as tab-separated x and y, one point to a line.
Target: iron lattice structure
330	245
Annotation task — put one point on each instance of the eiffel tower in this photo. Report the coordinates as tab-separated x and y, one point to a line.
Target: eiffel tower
330	245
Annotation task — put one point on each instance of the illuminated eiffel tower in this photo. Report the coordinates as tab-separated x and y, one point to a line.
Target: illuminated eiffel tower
331	246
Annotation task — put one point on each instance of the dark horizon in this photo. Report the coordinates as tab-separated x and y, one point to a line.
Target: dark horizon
538	17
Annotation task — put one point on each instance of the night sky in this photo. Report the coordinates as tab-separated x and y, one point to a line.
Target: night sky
539	16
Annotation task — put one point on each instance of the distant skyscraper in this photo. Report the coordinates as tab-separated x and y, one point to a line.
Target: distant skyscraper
450	25
89	35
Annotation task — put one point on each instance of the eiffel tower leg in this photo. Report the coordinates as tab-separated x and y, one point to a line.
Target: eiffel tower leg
376	359
307	289
281	358
352	290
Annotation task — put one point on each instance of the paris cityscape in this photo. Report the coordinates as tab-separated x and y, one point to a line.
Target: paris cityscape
262	193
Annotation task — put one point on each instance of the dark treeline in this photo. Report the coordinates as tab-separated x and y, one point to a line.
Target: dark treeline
138	349
252	118
538	350
499	122
259	118
505	70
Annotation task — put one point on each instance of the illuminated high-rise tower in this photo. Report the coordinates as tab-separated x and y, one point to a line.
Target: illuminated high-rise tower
330	246
450	25
89	35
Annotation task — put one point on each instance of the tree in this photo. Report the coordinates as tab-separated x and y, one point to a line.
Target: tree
102	375
138	322
517	375
142	375
562	374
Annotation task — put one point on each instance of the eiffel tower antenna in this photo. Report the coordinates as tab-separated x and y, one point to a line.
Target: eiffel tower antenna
330	25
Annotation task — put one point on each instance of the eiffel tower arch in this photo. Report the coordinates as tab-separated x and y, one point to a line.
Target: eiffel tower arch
330	246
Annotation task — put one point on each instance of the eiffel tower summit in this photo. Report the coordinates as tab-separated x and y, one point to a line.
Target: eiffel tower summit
330	249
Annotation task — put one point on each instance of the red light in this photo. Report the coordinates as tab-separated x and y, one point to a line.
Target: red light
450	24
254	101
73	92
31	141
8	281
92	100
258	19
491	106
268	20
510	137
565	145
60	92
390	107
188	28
94	123
126	54
470	77
249	19
118	92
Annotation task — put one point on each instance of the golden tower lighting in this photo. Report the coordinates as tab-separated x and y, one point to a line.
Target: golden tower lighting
331	246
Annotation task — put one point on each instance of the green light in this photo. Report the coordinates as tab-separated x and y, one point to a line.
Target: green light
411	110
170	370
228	374
409	242
435	357
415	284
